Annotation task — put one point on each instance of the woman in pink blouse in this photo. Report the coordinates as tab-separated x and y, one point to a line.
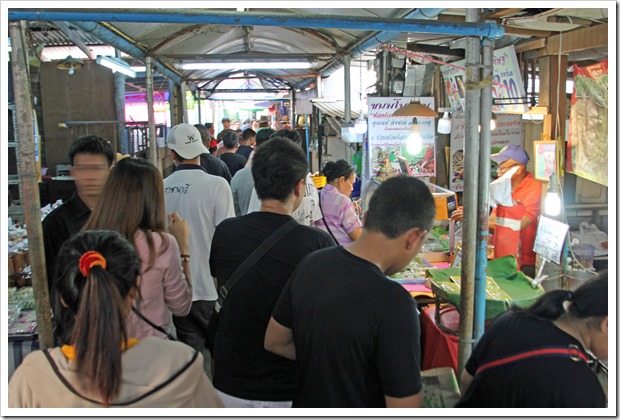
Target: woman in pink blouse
340	214
132	203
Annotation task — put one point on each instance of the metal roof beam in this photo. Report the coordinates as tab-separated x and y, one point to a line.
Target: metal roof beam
382	25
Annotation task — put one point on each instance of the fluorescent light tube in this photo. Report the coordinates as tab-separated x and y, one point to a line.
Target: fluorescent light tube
115	65
245	65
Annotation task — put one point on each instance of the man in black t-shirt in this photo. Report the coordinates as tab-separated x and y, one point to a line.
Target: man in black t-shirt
245	374
248	140
355	333
230	157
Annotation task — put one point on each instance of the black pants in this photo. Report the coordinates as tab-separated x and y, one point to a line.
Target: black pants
192	329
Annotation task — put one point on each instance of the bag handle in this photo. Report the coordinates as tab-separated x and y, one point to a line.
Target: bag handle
571	352
258	253
152	324
325	221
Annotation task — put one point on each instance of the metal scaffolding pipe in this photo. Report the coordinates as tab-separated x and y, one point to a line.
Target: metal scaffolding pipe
151	111
470	193
288	20
122	44
122	143
64	28
183	101
30	184
347	88
484	177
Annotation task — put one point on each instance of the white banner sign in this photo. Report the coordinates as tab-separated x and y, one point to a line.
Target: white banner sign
508	130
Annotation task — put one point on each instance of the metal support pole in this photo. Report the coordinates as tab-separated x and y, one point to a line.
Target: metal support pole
183	101
151	112
484	177
319	86
383	81
199	110
122	145
347	88
30	184
172	93
470	192
306	118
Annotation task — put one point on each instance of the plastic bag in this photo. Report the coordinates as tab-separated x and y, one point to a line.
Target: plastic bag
590	234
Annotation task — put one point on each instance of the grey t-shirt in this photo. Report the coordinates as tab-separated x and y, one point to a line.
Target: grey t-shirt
242	185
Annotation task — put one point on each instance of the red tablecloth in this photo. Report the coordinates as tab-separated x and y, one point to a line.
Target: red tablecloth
440	349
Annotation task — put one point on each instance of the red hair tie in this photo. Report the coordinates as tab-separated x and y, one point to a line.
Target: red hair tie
90	259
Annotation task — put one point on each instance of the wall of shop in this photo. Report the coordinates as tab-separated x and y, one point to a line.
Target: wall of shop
86	95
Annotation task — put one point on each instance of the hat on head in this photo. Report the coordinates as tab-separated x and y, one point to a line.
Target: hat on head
185	139
512	151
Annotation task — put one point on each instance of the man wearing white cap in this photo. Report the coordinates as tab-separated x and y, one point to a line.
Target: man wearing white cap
515	227
204	201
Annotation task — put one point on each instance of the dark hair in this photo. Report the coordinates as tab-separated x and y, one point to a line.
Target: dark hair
334	170
209	125
225	119
132	200
230	139
399	204
289	134
248	133
263	134
204	133
92	313
92	145
221	134
277	167
588	300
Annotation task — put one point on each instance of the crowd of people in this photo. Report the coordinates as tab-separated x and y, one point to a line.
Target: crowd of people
234	282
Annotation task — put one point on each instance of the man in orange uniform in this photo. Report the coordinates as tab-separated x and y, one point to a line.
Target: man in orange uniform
514	227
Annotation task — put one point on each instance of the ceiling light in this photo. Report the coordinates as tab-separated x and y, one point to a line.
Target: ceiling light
138	69
444	125
415	109
361	125
414	140
245	65
115	64
70	64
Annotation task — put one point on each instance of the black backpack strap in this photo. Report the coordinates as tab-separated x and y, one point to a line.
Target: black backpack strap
152	324
569	352
254	257
70	387
325	221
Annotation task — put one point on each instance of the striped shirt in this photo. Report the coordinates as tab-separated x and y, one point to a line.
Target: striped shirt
339	213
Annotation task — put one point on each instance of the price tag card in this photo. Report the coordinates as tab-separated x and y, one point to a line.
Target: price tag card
550	237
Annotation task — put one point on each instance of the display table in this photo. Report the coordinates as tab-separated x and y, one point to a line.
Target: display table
22	339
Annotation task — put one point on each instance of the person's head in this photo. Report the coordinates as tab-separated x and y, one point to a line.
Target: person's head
225	123
340	174
204	134
263	135
586	307
249	137
279	170
185	143
510	156
402	210
132	200
289	134
96	280
231	140
210	128
91	159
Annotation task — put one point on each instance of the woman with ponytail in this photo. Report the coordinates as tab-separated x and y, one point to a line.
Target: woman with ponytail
98	364
540	356
340	214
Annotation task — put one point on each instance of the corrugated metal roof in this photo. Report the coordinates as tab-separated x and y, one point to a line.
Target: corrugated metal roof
335	108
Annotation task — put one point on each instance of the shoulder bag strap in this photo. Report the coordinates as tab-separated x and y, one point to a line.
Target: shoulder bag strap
325	221
253	259
571	352
152	324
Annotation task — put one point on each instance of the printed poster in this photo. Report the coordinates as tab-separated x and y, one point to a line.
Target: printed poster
587	132
508	130
387	138
508	87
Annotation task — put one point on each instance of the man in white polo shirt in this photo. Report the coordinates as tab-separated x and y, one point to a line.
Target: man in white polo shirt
204	201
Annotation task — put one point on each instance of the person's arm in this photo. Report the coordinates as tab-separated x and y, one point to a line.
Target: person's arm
179	228
412	401
466	380
355	234
279	340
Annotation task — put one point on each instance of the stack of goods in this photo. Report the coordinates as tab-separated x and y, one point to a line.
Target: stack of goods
19	258
22	317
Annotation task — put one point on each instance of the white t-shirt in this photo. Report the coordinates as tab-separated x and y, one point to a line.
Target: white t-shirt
204	201
308	211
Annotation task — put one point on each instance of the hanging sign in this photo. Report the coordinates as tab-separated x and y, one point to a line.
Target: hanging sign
387	138
508	130
508	90
549	241
587	132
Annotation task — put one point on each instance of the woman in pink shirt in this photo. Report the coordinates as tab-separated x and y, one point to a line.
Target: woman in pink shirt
340	214
132	203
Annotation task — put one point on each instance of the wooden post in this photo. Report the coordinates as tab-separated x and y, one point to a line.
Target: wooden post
553	94
30	184
153	158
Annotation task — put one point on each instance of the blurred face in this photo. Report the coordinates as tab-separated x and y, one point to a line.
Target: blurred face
413	241
503	167
600	339
90	173
212	131
226	125
345	185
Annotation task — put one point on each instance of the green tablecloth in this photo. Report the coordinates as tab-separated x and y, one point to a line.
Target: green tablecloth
504	272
